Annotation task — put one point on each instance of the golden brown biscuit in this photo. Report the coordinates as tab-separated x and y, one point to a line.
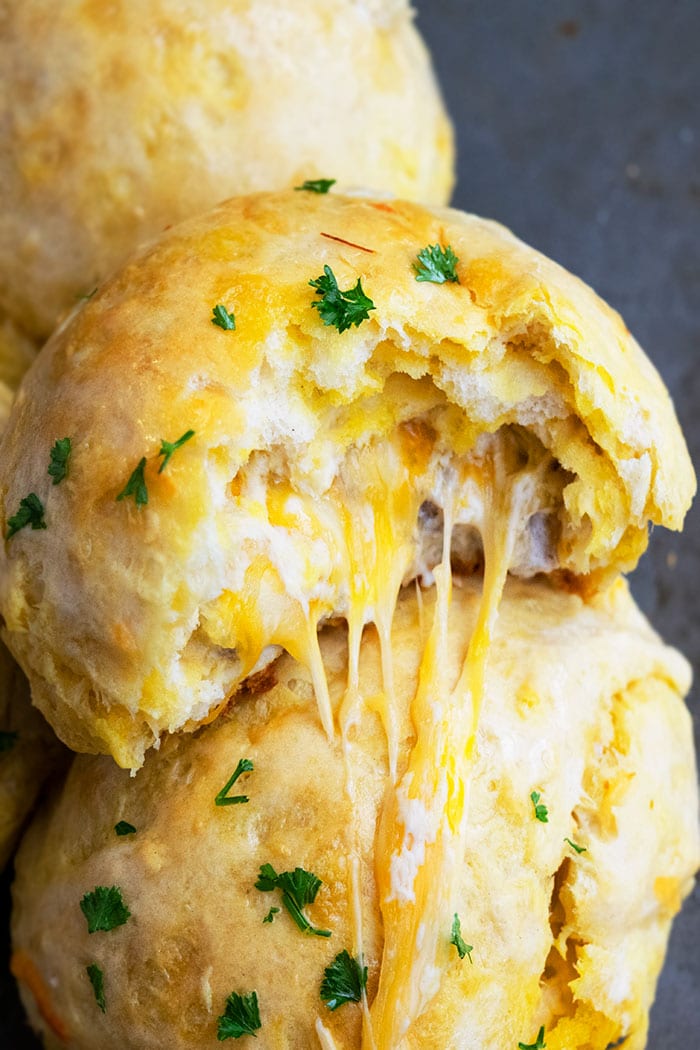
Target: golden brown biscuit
118	119
315	468
567	918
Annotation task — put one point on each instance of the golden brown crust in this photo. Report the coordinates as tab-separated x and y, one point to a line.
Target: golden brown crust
571	941
119	119
112	606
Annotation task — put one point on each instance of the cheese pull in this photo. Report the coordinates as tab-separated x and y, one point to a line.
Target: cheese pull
229	490
582	705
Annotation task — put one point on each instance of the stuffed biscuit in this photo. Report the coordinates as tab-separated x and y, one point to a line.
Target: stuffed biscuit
249	880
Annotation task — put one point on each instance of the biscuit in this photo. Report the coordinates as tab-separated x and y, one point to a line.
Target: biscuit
119	119
567	917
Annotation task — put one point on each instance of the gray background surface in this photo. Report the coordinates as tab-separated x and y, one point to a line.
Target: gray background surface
578	125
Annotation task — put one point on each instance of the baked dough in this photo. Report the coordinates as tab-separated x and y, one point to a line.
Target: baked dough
322	464
117	119
29	753
584	705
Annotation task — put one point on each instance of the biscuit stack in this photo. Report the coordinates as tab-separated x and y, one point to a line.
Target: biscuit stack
315	516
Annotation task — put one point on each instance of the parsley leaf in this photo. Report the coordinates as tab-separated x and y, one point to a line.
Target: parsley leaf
223	319
316	185
97	981
168	447
223	798
136	486
578	849
7	740
342	309
299	888
31	512
104	908
60	454
344	980
436	264
538	1045
540	809
124	828
241	1017
460	944
271	915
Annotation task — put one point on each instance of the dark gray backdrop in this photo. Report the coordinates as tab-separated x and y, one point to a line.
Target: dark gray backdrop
578	125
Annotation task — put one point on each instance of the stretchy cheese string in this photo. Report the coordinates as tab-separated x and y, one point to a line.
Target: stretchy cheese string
421	845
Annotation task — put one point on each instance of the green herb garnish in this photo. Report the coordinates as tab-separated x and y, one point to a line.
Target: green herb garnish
456	938
538	1045
136	486
60	454
344	981
7	740
436	264
241	1017
124	828
168	447
223	798
271	915
540	809
223	319
342	309
316	185
299	888
104	908
31	512
579	849
97	981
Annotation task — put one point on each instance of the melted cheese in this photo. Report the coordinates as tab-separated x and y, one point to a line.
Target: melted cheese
423	838
349	550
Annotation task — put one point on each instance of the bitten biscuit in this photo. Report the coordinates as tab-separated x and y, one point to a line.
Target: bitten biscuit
272	421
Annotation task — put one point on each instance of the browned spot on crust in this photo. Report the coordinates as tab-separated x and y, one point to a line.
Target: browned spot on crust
25	970
260	683
565	580
383	207
351	244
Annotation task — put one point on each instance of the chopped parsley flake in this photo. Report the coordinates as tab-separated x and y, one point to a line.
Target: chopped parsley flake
342	309
299	888
316	185
31	512
124	828
136	486
460	944
436	264
270	917
241	1017
538	1045
97	981
7	740
344	981
223	319
168	447
60	454
540	809
223	798
104	908
578	849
